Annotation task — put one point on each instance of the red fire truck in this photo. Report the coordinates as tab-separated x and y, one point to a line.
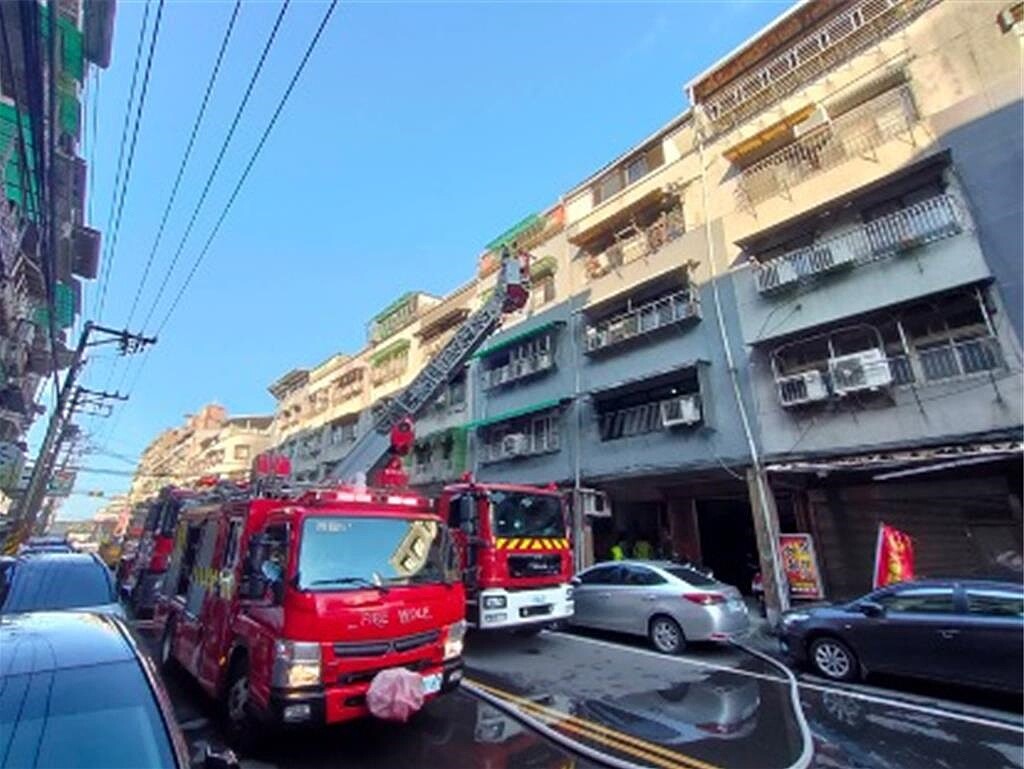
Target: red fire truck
153	550
515	553
286	609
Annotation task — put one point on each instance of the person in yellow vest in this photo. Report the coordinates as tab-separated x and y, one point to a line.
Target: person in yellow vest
642	550
618	551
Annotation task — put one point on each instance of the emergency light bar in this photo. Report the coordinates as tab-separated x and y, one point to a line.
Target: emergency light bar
346	495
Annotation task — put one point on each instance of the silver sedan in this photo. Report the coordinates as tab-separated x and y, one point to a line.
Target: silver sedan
668	602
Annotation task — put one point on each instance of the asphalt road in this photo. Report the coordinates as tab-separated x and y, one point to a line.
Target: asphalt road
713	707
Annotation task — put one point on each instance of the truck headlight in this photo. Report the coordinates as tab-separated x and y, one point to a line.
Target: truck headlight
296	664
454	636
495	602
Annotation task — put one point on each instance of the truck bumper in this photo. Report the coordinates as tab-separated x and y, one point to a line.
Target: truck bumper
335	704
497	608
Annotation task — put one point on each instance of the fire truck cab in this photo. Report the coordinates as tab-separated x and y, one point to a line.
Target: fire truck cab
514	551
285	610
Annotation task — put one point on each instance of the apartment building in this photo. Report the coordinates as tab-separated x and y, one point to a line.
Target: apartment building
38	286
816	266
864	161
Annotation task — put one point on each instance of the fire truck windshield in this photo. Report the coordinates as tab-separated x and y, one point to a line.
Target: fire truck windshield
521	514
353	553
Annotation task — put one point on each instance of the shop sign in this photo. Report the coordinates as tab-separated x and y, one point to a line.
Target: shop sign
800	563
894	556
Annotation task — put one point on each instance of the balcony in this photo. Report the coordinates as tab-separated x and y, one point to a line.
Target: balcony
851	135
432	472
644	319
634	242
873	370
519	445
678	411
518	369
862	24
911	227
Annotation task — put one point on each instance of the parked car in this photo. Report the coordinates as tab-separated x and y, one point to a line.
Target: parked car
76	692
45	544
53	581
961	631
670	603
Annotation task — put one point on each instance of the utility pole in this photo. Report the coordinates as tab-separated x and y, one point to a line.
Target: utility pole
69	398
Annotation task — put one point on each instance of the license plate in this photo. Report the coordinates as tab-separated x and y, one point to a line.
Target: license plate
539	600
432	683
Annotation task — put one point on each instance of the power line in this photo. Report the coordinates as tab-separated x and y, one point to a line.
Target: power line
238	186
105	269
131	156
220	157
185	159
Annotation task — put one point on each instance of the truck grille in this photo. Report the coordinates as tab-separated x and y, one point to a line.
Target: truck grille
534	565
380	648
365	676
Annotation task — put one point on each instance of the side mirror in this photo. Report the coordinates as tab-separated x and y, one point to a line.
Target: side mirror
871	609
575	582
220	759
271	571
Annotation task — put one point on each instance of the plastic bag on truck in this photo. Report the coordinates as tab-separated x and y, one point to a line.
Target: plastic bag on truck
395	694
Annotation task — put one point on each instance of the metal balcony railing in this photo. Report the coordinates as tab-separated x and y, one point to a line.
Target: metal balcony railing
960	358
643	319
649	417
435	470
916	225
846	34
634	242
520	445
851	135
518	368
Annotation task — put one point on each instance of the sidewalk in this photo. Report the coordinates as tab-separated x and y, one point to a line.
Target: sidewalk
762	636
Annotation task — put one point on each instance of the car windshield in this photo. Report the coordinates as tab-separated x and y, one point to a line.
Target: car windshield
54	583
348	553
690	576
101	716
521	514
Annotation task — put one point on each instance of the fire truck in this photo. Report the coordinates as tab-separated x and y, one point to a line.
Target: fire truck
284	607
514	544
138	587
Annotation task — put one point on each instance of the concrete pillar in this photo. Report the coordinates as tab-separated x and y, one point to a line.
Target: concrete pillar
685	529
766	531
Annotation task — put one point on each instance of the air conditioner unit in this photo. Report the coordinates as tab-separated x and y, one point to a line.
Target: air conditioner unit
515	444
684	410
542	361
865	370
805	387
596	339
594	503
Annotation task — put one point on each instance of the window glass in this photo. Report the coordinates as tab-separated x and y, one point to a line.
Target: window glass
690	576
345	553
602	575
522	514
995	603
52	584
100	716
638	575
231	551
921	600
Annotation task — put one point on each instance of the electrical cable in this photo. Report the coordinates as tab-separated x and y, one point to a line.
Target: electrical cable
220	158
185	158
124	141
223	215
131	157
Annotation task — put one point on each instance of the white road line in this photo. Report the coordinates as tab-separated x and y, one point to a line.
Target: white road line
896	703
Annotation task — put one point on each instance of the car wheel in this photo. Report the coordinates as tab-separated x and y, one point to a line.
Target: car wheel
241	731
167	661
666	635
833	659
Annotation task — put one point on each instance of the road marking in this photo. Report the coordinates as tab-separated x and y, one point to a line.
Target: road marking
877	699
592	730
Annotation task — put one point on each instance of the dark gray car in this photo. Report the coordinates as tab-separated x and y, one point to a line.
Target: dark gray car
961	631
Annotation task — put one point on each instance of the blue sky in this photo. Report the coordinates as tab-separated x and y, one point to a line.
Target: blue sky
418	132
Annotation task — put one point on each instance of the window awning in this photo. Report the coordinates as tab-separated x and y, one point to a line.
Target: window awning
396	348
511	340
403	299
520	412
543	267
516	231
767	135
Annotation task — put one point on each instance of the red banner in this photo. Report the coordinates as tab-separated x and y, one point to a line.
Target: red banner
800	564
894	556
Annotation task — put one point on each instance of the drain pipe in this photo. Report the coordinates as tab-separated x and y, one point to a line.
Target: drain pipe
760	482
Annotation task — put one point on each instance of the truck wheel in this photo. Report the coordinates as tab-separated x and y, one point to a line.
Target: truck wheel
666	635
241	730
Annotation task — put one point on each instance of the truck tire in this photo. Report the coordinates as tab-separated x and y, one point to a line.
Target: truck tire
241	729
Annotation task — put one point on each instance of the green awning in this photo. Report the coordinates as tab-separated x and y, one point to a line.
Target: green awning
397	348
543	406
507	341
547	265
403	299
515	231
